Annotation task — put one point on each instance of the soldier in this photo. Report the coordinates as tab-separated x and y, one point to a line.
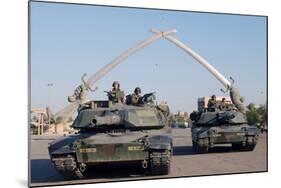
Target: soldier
163	106
116	95
223	105
212	104
136	96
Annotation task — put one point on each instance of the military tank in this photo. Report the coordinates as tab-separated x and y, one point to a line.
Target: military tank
114	133
222	127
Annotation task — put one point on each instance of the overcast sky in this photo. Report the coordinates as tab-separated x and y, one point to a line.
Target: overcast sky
69	40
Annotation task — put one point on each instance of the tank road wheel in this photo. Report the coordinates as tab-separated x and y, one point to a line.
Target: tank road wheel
67	167
160	162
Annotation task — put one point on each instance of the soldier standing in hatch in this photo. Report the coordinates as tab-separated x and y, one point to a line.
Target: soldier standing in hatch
223	104
116	95
136	96
212	104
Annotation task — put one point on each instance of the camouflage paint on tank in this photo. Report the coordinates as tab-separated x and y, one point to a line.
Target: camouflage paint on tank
222	127
112	133
111	153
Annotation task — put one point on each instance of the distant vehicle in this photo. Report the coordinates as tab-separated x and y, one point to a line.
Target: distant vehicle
114	133
182	125
222	127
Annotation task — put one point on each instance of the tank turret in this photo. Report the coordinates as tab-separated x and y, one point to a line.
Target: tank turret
218	118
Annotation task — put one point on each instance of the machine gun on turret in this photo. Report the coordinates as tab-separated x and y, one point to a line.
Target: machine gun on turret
147	98
111	95
225	117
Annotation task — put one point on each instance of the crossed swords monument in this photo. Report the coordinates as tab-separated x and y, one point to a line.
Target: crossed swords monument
81	91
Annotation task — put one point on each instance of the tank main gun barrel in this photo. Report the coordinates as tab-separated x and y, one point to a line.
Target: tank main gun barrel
111	119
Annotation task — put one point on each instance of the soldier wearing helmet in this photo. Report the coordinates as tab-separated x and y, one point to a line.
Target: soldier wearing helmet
212	104
116	95
223	104
136	96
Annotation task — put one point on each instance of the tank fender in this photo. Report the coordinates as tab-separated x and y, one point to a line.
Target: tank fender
64	142
159	146
63	150
203	135
159	142
253	131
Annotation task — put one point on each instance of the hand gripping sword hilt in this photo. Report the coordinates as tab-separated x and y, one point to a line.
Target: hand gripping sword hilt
229	86
86	84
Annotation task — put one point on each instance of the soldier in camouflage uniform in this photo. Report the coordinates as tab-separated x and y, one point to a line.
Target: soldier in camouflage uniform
136	96
116	95
223	105
212	104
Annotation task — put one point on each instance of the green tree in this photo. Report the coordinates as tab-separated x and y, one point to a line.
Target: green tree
253	117
251	106
262	110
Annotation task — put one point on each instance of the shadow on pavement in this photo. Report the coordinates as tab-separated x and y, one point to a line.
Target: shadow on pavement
221	149
182	150
37	139
187	150
42	170
113	171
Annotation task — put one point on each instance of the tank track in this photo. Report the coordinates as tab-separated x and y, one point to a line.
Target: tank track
160	162
202	146
249	145
67	167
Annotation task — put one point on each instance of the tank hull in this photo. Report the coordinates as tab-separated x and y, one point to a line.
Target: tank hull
225	134
74	156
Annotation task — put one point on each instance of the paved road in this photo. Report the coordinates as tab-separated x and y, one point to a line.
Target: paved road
220	160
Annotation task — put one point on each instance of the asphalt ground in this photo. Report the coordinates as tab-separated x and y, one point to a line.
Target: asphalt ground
221	160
